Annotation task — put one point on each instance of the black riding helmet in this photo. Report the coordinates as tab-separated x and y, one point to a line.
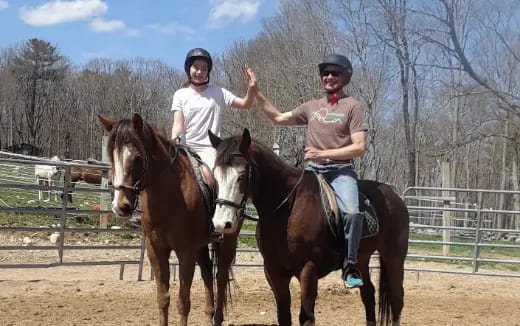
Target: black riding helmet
197	53
337	60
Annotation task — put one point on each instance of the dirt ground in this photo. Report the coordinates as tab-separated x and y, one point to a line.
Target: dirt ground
96	296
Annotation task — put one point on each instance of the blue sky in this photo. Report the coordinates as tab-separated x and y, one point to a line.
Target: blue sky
123	29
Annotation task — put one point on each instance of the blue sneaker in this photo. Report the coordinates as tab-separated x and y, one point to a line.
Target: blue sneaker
353	281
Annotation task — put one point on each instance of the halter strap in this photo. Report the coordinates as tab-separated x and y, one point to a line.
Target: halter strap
227	203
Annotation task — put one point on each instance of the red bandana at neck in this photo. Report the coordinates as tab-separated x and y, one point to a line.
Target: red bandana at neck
333	99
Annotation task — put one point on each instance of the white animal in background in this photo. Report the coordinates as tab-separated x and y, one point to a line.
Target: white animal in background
47	175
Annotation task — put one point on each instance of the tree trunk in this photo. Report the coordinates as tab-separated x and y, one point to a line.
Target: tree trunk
501	223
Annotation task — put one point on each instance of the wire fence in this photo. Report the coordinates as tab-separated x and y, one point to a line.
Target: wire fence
443	228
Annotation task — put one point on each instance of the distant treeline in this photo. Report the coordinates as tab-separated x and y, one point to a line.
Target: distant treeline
439	81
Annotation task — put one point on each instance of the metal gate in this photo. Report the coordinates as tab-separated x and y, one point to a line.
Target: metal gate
464	214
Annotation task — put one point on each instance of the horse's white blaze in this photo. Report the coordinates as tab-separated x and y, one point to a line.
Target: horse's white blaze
119	173
228	189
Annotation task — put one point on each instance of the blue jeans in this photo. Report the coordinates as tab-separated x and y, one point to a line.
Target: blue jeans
343	179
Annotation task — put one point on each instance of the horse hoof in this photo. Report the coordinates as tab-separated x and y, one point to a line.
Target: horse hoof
371	323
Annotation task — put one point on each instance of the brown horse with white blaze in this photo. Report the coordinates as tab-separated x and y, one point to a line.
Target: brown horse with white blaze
149	167
293	234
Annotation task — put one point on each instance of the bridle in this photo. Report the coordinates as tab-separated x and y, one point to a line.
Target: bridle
137	187
140	184
242	205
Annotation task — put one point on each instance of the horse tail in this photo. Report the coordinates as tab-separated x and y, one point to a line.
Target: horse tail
384	295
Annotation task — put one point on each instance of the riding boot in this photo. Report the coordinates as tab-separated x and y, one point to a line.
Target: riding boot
353	227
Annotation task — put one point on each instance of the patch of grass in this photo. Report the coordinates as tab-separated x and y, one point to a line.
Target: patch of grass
462	250
248	240
24	175
466	251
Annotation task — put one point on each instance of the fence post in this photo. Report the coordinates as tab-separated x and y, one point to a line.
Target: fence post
63	214
476	247
104	197
446	215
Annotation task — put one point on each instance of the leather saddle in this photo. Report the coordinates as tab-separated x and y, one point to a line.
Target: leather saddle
206	182
334	220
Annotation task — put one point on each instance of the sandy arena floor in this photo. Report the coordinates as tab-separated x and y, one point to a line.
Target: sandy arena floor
95	296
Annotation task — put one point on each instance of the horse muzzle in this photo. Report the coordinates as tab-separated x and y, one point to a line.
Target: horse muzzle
224	223
122	210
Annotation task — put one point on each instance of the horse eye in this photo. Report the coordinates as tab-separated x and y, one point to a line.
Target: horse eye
241	177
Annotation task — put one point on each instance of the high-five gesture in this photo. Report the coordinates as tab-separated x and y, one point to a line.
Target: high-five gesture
251	80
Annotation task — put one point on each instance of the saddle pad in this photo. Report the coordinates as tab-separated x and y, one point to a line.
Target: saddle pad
370	220
328	198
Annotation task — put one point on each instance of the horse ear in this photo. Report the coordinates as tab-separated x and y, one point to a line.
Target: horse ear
245	142
137	122
107	123
214	139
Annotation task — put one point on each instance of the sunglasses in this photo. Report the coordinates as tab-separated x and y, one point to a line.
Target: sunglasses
334	73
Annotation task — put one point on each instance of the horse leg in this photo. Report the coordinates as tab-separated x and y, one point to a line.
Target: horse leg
367	291
225	253
309	290
70	187
40	191
206	269
159	260
280	285
49	191
52	191
186	271
55	183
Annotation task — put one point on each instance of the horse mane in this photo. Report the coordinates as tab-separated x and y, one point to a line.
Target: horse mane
271	158
123	133
230	146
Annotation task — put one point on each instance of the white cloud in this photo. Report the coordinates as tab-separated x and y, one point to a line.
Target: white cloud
101	25
4	5
132	32
225	12
105	26
57	12
171	28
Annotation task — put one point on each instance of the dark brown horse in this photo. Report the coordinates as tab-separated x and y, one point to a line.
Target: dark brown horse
292	231
146	165
85	174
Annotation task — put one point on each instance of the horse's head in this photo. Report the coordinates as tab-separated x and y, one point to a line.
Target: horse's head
233	173
126	149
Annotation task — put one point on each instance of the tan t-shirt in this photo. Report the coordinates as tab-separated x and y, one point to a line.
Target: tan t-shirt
330	126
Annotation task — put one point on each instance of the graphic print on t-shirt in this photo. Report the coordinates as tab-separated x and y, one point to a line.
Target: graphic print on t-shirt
324	116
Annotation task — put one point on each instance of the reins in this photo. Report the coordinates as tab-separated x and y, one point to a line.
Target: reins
291	193
299	159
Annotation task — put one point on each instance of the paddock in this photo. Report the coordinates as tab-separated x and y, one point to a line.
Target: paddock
95	296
